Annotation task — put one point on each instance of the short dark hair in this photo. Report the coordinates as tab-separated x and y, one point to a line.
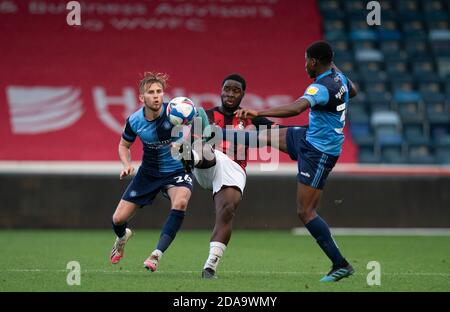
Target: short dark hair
322	51
235	77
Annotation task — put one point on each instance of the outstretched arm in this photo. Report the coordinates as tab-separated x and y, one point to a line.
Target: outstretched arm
289	110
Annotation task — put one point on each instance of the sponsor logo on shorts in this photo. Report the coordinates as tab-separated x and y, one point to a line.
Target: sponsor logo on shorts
306	174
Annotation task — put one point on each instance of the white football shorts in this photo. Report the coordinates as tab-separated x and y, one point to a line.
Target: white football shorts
225	173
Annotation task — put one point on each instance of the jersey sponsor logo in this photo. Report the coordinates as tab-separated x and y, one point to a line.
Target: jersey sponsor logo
306	174
341	92
312	90
341	107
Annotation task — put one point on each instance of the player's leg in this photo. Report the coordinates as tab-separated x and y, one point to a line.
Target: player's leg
275	137
307	200
226	203
124	211
140	192
228	186
179	197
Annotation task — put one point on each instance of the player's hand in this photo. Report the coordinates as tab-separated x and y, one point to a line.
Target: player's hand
126	171
245	113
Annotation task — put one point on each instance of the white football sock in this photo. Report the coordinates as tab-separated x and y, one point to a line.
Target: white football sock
216	250
158	253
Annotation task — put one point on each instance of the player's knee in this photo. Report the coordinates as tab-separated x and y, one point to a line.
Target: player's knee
180	204
227	212
118	219
304	213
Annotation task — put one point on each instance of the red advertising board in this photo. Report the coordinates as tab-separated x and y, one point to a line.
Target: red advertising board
65	91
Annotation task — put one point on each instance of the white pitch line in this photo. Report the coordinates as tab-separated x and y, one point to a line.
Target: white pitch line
225	272
381	231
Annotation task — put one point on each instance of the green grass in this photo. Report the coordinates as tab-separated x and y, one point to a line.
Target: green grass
254	261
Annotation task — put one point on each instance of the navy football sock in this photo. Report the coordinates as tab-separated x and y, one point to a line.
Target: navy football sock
119	229
170	229
320	231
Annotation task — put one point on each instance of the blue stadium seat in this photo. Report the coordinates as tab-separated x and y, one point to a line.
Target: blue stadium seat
417	48
401	96
443	65
427	87
357	35
387	127
335	35
397	68
437	112
402	69
334	25
442	151
407	6
436	20
440	132
435	96
415	132
402	56
420	153
391	151
328	5
390	46
367	154
352	6
368	55
380	106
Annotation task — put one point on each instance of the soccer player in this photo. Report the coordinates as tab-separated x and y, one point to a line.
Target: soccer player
159	171
225	175
316	147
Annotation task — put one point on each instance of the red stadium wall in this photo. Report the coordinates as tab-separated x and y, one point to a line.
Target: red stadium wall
65	91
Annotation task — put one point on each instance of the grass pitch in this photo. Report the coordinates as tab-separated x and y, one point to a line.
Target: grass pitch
254	261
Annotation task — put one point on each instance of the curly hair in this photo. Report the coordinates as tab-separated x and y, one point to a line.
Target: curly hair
153	77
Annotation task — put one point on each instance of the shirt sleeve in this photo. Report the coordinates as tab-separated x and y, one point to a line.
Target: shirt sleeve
262	121
128	133
316	94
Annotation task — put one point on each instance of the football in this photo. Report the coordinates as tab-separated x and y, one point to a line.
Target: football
181	111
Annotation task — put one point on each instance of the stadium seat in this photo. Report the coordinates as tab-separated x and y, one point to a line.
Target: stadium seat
437	112
387	125
368	55
404	96
379	106
420	153
367	154
442	150
415	131
391	151
416	48
368	34
443	65
334	25
395	69
440	131
430	87
402	69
